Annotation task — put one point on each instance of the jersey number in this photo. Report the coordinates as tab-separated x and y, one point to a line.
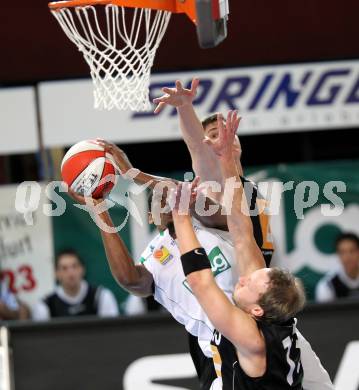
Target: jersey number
287	344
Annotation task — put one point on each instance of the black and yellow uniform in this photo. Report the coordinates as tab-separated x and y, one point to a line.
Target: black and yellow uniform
260	221
262	235
284	369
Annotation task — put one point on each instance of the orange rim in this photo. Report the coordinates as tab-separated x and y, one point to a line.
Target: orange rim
175	6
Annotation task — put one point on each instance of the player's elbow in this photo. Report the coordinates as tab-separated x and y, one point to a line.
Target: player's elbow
198	281
128	281
135	287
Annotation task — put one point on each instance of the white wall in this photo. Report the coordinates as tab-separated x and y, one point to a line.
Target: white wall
18	128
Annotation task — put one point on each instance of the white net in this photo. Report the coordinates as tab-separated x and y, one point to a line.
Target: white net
119	44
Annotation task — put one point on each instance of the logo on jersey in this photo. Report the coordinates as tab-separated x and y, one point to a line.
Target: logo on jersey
219	264
218	261
162	255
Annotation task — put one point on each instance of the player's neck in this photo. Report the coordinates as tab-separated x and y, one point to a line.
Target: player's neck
354	274
72	291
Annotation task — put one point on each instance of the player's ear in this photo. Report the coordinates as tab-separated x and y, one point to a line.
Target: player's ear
257	311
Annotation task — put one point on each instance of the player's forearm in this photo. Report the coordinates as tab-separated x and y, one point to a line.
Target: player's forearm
191	127
186	237
121	263
239	222
152	180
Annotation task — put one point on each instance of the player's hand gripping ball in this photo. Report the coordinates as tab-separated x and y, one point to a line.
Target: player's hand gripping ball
88	170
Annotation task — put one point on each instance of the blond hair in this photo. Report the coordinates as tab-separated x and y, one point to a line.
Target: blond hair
284	298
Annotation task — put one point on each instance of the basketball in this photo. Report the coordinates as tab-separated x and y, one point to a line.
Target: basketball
88	170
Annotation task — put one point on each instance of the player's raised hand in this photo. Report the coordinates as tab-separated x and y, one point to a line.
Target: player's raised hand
123	164
224	145
184	196
176	97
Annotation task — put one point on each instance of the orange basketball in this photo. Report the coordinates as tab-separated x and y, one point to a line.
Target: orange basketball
88	170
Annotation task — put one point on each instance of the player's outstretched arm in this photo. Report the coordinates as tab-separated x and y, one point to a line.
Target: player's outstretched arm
203	162
249	256
225	317
182	99
136	279
124	166
127	170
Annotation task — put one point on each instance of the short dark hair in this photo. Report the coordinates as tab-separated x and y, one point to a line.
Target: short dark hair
284	298
65	252
208	120
346	236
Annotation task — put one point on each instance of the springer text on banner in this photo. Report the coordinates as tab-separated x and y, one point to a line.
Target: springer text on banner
271	99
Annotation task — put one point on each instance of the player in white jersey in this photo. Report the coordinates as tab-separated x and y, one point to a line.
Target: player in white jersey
161	274
161	259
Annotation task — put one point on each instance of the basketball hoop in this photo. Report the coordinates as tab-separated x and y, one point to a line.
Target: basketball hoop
119	39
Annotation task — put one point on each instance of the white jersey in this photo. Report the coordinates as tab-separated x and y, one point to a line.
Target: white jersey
162	259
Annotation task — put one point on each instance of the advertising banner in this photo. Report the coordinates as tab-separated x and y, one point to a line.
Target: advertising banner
280	98
151	353
26	247
18	122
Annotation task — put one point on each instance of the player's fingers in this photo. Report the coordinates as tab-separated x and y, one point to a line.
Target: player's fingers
221	127
229	120
160	99
196	181
179	86
236	124
106	145
176	194
169	91
159	107
75	196
235	116
194	85
195	184
91	201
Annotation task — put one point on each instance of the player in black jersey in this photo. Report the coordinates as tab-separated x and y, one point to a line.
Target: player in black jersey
261	228
204	162
255	342
206	166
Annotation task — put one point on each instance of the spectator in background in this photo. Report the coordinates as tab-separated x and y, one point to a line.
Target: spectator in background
74	296
343	282
9	307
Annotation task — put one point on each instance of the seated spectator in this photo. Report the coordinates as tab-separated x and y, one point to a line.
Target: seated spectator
74	296
344	282
9	307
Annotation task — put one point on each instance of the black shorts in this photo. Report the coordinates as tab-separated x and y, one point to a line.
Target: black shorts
204	365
